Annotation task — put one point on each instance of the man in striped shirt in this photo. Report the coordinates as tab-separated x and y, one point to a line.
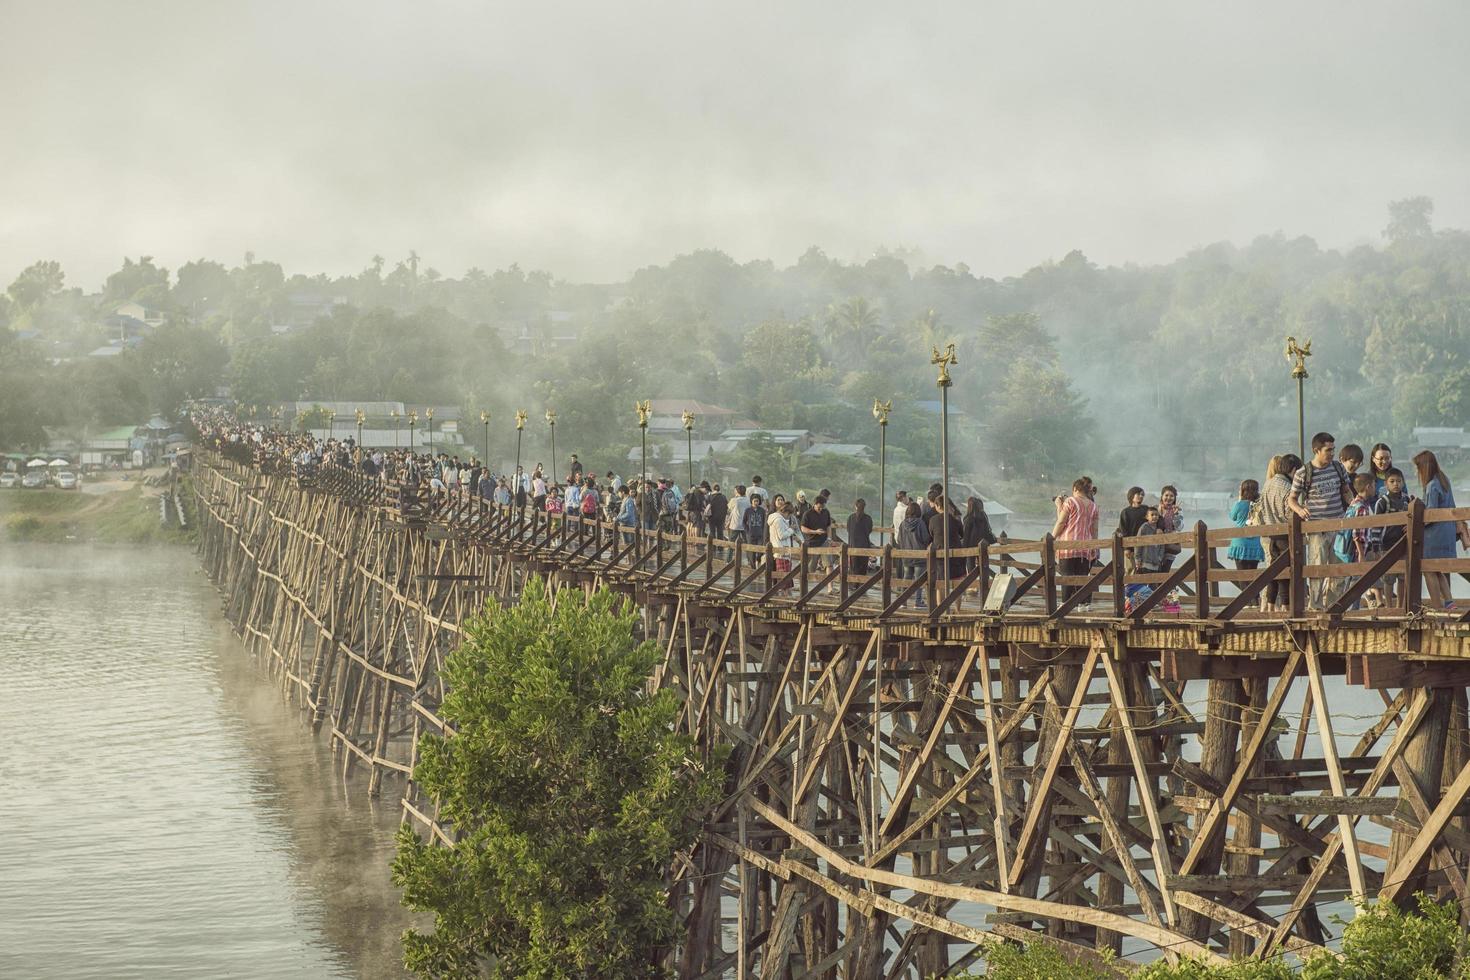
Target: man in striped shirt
1320	491
1076	521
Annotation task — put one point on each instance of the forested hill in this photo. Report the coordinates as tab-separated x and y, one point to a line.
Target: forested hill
1069	367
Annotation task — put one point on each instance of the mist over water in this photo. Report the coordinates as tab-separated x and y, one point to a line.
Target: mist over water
165	813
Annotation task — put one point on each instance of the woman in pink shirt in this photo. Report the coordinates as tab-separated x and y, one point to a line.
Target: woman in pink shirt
1076	521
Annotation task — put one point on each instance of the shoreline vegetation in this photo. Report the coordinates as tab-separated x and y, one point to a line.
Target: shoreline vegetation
128	515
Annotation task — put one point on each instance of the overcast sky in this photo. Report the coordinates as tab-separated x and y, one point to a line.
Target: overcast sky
593	138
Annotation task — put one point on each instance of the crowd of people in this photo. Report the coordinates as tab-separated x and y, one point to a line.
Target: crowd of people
1328	486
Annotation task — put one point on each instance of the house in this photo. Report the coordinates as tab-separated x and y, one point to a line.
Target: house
668	416
137	311
799	439
549	331
125	445
1441	438
305	308
851	450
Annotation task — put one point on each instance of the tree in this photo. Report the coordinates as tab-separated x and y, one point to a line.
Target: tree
38	283
179	362
134	276
1040	427
1409	219
570	793
202	285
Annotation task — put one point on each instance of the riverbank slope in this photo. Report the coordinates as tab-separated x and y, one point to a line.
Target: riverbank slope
120	513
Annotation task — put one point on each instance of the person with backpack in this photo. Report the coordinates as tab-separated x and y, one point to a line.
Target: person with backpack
716	510
590	500
913	535
1394	499
668	508
1247	553
694	510
1321	491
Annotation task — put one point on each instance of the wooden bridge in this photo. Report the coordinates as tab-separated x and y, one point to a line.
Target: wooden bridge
906	784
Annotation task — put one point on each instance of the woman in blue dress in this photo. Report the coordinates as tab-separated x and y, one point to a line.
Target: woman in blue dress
1439	536
1246	552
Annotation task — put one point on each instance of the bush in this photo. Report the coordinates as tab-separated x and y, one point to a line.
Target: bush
1382	943
571	793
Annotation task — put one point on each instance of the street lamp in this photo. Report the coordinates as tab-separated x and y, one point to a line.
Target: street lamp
393	414
944	360
1299	356
429	442
361	417
551	421
689	444
520	429
644	409
413	418
485	420
880	412
331	423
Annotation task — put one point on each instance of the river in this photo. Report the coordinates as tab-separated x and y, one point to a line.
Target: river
164	813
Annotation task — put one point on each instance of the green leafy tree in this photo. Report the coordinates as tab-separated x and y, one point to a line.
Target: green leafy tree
126	282
1409	219
38	283
570	791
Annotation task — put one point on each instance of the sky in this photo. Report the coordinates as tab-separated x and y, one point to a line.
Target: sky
591	139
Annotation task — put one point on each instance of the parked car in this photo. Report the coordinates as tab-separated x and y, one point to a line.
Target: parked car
34	480
9	480
67	480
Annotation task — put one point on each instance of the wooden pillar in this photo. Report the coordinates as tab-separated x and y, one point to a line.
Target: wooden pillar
1424	758
1217	757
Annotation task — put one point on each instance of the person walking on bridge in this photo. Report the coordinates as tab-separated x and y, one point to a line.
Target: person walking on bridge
735	516
1321	491
1076	521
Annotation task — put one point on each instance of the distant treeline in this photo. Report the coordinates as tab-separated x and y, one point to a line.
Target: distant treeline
1068	368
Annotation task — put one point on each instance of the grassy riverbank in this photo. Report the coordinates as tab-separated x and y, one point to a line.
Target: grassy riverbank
128	515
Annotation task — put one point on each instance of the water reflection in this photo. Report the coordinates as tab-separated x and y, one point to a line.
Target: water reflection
165	812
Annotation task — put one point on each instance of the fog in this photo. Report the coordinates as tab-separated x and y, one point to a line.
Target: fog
592	139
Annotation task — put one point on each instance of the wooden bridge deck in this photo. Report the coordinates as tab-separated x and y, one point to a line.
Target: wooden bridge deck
905	784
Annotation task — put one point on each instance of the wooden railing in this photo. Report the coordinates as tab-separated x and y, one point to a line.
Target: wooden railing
888	582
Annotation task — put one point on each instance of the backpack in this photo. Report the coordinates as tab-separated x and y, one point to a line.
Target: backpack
1257	515
669	504
589	502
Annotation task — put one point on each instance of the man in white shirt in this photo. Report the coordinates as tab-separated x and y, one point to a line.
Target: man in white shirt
900	510
735	517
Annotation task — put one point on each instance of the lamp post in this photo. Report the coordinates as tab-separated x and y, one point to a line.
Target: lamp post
361	417
551	421
520	429
429	442
689	444
880	412
413	418
275	417
944	360
644	409
1298	356
393	414
331	423
485	420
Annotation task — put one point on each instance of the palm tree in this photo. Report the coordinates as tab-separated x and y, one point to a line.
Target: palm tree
852	320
